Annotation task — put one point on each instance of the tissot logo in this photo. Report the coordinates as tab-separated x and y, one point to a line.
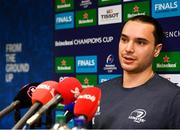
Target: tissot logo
165	8
65	20
110	14
86	64
138	115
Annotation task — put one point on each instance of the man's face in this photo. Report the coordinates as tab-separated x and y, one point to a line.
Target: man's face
137	46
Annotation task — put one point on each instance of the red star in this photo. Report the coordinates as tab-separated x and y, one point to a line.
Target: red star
136	8
166	59
85	16
63	62
63	1
86	81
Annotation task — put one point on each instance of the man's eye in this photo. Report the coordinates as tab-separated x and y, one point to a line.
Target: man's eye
124	39
141	42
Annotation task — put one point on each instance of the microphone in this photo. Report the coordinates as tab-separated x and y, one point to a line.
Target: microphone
87	103
43	93
67	91
64	115
21	100
69	111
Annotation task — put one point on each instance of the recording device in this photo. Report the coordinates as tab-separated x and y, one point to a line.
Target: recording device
21	100
65	115
44	92
67	91
84	109
87	103
69	111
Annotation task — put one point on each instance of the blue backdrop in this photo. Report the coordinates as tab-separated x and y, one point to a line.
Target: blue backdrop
26	26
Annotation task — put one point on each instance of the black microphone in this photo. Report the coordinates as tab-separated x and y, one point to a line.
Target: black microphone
69	111
21	100
43	93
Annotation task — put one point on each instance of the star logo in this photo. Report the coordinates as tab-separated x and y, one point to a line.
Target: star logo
166	58
85	16
63	1
63	62
86	81
136	9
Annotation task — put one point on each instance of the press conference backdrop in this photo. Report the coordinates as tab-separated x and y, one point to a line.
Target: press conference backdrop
26	39
87	34
43	40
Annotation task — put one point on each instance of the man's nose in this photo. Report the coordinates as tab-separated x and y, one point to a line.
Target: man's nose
130	47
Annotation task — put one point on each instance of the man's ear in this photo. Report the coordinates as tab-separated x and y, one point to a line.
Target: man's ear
157	50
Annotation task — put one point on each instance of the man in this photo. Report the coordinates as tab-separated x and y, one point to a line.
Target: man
140	99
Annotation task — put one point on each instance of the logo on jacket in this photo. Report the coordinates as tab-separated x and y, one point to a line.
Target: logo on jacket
138	115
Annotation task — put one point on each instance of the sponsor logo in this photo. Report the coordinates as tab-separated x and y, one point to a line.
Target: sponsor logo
172	34
103	78
85	3
165	8
85	41
64	20
64	64
167	61
110	66
31	90
87	97
43	86
111	14
107	2
76	92
86	18
175	78
63	5
136	8
86	64
62	78
87	80
138	115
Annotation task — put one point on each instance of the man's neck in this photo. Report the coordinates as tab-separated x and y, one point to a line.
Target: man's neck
132	80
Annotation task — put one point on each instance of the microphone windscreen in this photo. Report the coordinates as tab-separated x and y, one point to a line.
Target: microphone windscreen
87	102
69	88
25	94
44	92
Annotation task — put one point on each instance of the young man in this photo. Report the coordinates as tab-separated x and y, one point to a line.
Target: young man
140	99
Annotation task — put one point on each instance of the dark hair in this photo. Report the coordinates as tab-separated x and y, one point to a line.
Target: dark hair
158	31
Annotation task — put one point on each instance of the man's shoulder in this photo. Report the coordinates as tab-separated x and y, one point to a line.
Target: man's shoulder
165	83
